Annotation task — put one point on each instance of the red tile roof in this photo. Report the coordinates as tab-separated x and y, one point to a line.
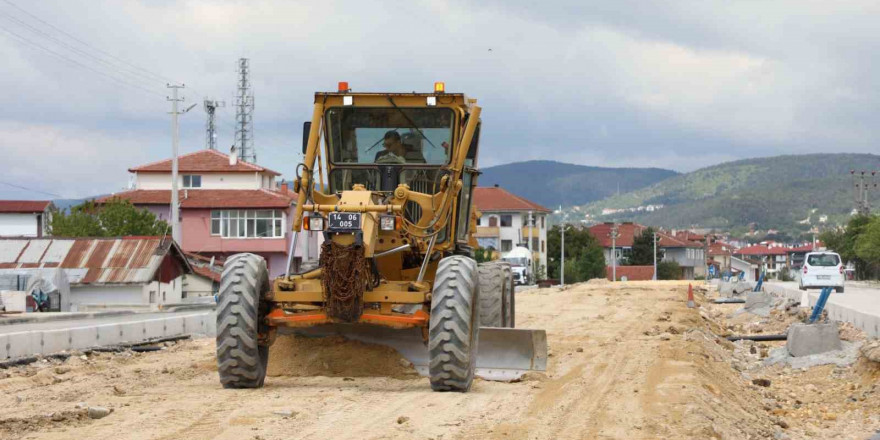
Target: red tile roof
760	249
491	199
627	233
632	273
806	247
689	236
202	161
208	198
23	206
207	273
720	248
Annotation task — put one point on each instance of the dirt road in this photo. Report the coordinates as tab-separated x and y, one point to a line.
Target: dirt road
628	361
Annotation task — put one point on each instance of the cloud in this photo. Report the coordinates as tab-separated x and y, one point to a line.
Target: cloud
65	160
678	84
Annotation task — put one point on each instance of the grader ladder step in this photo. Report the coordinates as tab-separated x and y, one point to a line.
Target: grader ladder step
503	354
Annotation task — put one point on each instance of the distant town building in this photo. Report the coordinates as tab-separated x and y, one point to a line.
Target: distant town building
102	272
770	258
227	206
503	223
25	218
689	255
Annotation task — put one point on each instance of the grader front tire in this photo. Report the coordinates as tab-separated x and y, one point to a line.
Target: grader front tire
455	324
241	359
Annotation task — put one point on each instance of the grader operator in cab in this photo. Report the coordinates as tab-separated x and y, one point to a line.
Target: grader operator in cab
396	264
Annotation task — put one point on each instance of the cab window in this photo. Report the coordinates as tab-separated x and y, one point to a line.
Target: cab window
359	135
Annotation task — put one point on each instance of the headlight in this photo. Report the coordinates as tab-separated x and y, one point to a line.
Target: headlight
386	222
315	223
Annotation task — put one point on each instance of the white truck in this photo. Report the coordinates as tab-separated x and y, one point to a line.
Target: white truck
520	260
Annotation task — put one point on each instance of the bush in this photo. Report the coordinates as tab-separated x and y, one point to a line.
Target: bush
668	270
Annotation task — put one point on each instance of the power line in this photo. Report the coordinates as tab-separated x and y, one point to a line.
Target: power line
155	75
133	75
31	189
25	40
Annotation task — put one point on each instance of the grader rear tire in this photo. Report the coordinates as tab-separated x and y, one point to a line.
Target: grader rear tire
455	325
491	277
508	298
241	359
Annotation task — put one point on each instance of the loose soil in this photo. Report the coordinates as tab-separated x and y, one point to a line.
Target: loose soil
628	361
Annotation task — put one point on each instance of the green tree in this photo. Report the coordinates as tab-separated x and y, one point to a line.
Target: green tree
643	250
482	255
114	218
845	242
668	270
82	221
867	246
584	259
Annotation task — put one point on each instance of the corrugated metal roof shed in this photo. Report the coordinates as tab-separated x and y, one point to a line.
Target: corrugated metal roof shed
126	260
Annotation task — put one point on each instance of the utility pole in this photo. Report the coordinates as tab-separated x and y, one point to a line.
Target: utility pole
706	257
211	126
614	234
175	144
531	252
655	257
562	257
862	189
562	252
244	114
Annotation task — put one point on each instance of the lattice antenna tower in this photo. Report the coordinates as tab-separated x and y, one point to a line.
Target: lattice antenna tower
211	107
244	114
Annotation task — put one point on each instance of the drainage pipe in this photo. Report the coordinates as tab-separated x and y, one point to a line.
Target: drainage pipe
781	337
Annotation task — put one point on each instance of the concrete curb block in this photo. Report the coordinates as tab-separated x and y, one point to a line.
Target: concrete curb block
65	316
870	324
19	345
30	343
54	341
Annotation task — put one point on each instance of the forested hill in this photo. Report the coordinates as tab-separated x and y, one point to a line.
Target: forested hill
550	183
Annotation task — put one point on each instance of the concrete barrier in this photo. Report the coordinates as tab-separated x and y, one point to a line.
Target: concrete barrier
4	352
131	332
84	337
35	342
196	324
174	326
54	341
808	339
19	345
869	323
154	328
108	334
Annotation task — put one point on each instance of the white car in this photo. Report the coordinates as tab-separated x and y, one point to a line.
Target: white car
822	269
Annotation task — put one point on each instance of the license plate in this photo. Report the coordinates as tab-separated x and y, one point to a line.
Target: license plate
344	221
824	277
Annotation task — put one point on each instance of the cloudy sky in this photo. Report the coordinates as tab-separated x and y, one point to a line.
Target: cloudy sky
675	84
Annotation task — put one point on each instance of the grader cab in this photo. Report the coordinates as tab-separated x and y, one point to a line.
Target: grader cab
396	266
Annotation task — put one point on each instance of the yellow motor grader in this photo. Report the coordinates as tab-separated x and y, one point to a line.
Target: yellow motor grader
396	265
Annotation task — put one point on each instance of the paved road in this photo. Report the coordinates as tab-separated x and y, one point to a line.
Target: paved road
857	296
75	323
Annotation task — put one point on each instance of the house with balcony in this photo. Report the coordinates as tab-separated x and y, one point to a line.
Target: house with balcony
770	258
689	255
504	222
25	218
227	206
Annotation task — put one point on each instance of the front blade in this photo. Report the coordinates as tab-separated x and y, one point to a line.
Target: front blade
502	353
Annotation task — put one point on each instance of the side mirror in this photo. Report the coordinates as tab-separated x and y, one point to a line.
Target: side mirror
475	142
307	128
